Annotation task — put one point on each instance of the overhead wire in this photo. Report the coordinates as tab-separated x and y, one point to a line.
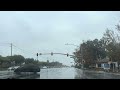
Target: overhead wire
24	51
4	49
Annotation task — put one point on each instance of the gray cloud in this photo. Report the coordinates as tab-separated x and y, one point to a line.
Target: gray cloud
49	31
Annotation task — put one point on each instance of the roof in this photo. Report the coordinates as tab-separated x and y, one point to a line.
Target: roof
105	60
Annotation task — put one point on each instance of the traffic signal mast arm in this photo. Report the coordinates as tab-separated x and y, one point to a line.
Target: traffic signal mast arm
54	53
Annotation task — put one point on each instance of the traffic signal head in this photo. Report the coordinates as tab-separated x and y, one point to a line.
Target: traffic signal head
67	54
51	53
37	54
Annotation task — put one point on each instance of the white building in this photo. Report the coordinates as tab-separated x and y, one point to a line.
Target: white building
106	64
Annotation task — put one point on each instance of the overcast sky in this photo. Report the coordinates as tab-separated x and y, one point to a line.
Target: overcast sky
49	31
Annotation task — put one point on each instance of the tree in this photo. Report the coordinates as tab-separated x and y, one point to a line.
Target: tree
29	60
4	62
93	50
18	59
90	51
77	56
112	44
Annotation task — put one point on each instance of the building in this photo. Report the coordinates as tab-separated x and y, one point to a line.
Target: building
107	65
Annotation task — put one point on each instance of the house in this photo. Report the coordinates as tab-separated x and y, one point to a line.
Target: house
103	63
106	64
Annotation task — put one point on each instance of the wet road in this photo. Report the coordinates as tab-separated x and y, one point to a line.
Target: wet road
67	73
86	74
74	73
6	74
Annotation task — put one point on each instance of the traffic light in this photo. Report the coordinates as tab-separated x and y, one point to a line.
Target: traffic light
67	54
37	54
51	53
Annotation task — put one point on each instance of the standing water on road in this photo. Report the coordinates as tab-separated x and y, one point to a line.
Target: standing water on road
74	73
65	73
60	73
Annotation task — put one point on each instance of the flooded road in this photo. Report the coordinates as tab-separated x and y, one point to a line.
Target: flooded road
65	73
57	73
74	73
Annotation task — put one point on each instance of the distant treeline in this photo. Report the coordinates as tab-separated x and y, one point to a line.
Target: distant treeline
18	60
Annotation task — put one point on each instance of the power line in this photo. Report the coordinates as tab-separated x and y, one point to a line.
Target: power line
12	45
23	50
4	48
4	43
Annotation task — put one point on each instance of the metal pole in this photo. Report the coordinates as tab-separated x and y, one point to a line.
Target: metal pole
72	44
11	53
11	58
11	49
37	58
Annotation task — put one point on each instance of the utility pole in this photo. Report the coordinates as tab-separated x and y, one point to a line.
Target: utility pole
11	49
11	54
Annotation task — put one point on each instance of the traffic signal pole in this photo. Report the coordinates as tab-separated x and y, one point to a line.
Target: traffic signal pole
37	56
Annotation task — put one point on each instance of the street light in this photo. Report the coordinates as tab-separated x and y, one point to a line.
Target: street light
80	51
71	44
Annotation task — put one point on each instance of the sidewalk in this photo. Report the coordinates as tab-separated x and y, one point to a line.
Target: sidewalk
102	71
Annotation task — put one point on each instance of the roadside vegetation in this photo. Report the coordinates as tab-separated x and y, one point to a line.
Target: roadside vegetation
92	50
19	60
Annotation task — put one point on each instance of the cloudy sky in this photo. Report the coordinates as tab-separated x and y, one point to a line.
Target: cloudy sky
49	31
